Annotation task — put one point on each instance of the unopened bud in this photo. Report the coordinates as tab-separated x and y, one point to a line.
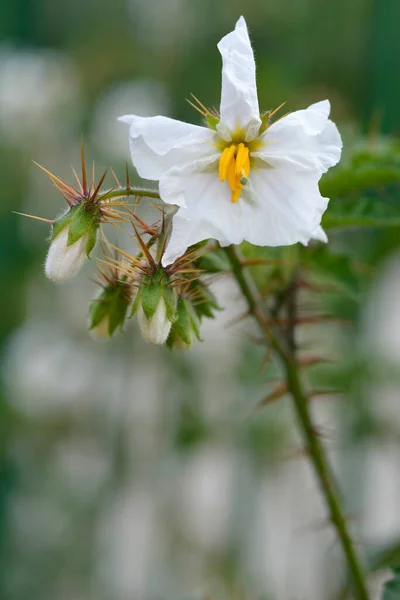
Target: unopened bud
156	304
108	311
73	238
156	329
64	261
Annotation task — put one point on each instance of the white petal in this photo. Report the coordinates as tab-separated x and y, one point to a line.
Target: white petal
320	235
282	208
207	201
305	139
62	261
157	330
157	144
239	103
185	233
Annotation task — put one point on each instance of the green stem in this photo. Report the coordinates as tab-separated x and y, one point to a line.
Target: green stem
316	451
130	191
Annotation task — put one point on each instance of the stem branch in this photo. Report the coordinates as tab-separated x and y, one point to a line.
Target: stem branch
316	451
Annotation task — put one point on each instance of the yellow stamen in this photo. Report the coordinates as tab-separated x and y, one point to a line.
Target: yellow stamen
234	164
242	158
227	157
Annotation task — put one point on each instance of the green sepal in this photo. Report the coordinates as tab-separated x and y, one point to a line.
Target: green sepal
151	294
60	223
264	121
98	310
171	302
206	301
212	121
136	302
82	221
118	311
194	320
92	238
112	303
182	326
187	325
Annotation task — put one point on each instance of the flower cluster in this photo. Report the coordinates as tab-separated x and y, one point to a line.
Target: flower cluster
243	176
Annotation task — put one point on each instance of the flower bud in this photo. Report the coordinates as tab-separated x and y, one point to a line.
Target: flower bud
108	311
156	305
64	261
73	238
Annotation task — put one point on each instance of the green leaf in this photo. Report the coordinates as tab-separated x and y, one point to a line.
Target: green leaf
151	294
342	182
391	590
82	221
361	212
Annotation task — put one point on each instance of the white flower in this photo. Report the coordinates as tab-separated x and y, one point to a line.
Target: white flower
239	182
62	261
157	330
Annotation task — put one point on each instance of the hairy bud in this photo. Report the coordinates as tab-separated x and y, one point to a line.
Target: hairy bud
156	306
73	237
63	261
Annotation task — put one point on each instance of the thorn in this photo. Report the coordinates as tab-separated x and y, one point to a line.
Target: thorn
50	221
77	179
84	177
94	195
128	183
271	114
116	179
280	390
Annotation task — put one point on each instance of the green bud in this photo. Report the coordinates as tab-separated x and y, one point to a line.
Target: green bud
156	306
108	311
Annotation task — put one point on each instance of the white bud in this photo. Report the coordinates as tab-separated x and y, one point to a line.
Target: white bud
62	261
157	330
101	331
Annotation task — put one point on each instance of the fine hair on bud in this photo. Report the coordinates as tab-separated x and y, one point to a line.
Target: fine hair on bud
63	261
156	330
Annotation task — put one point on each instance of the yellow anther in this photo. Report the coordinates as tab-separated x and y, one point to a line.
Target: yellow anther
234	164
227	158
242	159
236	194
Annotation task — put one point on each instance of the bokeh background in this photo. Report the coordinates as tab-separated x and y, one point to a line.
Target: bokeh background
128	472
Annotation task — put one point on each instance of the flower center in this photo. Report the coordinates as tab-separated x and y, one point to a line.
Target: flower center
234	164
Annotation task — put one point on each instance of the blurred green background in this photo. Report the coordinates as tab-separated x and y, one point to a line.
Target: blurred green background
128	472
